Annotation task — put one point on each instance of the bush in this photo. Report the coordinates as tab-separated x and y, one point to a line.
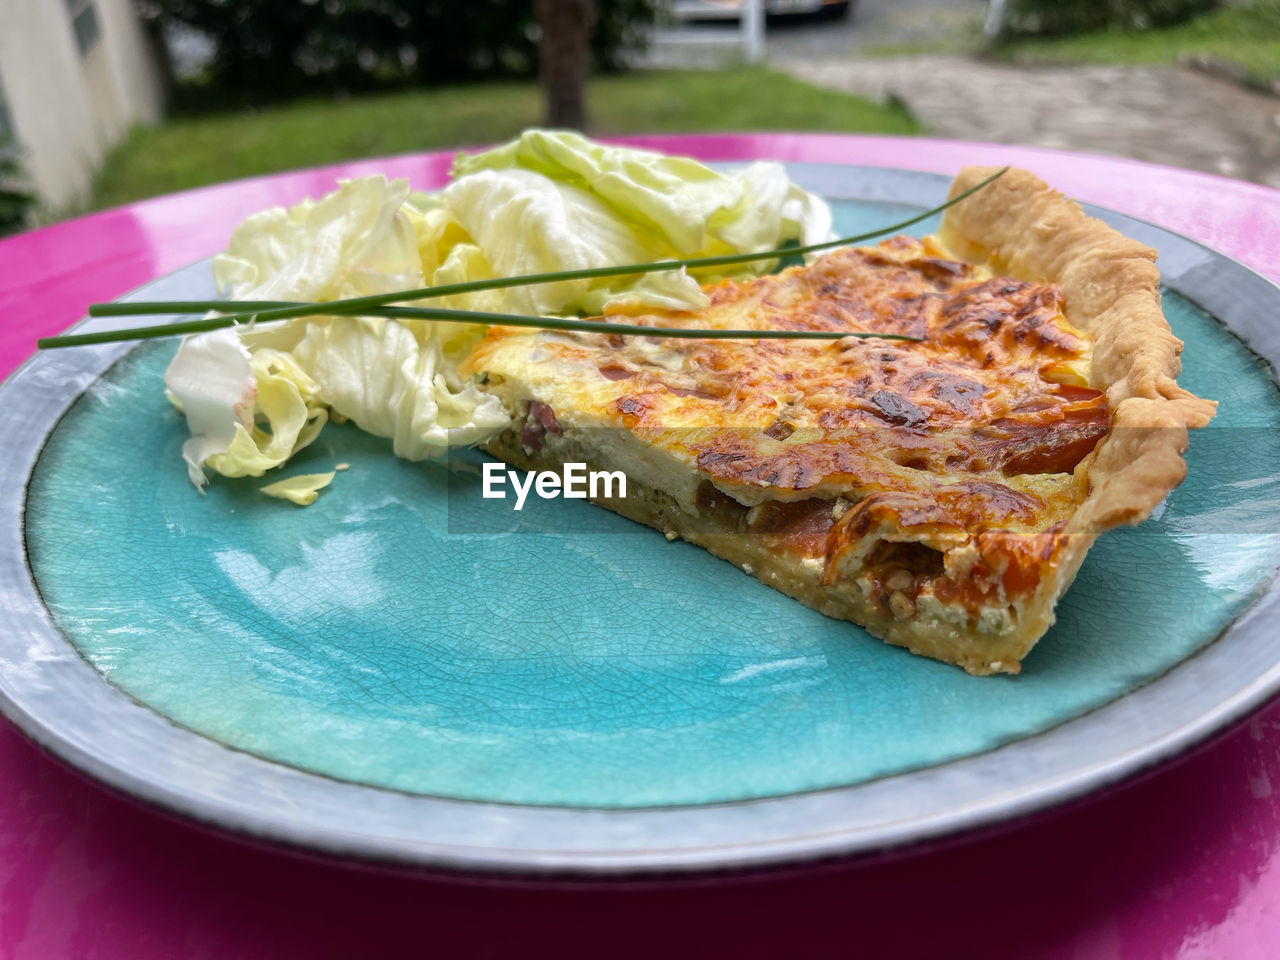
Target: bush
1056	17
269	50
16	203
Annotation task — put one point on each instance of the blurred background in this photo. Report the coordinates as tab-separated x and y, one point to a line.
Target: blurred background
107	101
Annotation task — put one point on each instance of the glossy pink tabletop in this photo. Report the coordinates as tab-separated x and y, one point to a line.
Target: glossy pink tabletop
1184	863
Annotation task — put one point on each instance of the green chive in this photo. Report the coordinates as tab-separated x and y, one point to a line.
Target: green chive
509	320
266	311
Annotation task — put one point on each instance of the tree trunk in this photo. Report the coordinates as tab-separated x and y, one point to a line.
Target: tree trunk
564	54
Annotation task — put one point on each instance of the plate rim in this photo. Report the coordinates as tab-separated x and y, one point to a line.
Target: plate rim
592	841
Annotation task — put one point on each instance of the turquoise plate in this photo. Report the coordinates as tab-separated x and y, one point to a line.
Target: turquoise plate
408	671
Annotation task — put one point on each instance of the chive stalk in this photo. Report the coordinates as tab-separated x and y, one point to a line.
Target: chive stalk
508	320
266	311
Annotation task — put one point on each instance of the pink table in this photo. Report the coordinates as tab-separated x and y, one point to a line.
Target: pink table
1185	862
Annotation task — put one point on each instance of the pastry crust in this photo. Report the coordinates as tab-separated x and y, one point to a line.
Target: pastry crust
964	467
1020	226
1111	290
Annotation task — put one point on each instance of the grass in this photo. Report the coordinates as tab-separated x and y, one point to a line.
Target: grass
1247	37
192	152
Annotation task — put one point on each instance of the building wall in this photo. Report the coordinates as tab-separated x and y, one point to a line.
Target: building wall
67	108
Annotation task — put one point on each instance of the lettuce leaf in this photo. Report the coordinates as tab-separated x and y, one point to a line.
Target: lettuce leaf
302	489
674	203
247	412
254	398
675	198
394	379
354	242
211	381
522	222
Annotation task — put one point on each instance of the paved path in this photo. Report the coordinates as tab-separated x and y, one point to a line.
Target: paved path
1165	115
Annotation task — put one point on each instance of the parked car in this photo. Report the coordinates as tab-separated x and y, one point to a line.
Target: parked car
693	10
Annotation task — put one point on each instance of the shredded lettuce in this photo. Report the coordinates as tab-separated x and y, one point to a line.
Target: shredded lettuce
254	398
396	380
354	242
547	201
677	201
211	381
302	489
553	200
247	412
522	222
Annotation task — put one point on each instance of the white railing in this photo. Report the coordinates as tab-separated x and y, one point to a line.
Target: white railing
749	13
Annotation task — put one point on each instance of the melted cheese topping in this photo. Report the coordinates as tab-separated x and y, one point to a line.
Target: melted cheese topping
953	459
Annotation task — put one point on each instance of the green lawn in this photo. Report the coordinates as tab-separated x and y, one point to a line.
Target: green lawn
1248	37
190	152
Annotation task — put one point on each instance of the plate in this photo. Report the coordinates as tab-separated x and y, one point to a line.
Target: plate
408	672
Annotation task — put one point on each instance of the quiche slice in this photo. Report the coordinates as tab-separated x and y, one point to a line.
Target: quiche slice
940	493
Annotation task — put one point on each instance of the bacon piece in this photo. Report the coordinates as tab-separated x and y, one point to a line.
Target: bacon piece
539	421
1052	439
545	416
802	524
